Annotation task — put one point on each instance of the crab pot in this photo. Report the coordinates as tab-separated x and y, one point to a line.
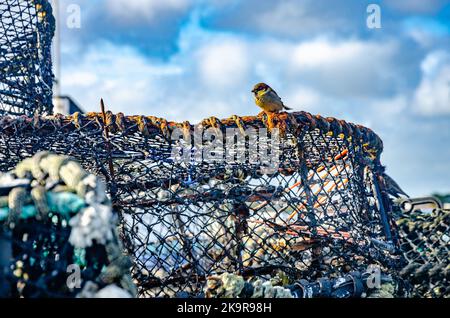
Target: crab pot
26	78
308	204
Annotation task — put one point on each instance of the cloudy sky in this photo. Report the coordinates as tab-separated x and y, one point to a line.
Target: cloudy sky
188	60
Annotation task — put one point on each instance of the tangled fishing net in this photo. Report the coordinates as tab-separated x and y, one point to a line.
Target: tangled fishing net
425	243
55	219
26	79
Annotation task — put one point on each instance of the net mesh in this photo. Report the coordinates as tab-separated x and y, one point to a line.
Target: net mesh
58	234
425	241
26	32
320	213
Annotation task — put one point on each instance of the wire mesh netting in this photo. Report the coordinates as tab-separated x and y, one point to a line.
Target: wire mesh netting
26	32
321	213
425	239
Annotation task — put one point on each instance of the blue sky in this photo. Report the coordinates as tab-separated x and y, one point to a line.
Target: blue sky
188	60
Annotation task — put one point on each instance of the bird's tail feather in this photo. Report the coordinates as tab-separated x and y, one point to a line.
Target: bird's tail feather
393	188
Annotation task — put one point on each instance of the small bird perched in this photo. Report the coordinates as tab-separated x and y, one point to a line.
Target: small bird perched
268	99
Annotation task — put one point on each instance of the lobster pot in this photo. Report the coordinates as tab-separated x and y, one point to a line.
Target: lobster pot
26	32
425	245
295	194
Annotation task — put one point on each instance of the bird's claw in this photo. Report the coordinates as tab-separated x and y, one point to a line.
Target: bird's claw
267	118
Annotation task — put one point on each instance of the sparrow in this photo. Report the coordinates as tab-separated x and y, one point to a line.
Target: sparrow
268	99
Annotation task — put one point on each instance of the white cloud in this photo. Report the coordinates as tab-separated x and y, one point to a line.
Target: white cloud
291	17
149	9
349	68
81	78
199	81
392	106
119	74
223	64
322	52
432	97
427	32
306	97
326	51
421	36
